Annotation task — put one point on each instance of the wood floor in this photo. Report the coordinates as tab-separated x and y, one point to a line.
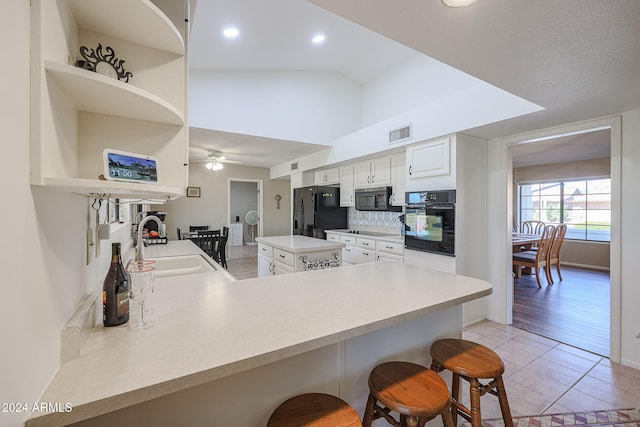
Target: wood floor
574	311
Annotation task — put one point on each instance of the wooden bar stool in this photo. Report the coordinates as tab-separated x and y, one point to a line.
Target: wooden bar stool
416	393
314	410
471	362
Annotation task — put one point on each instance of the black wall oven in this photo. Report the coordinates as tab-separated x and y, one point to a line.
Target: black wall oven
430	221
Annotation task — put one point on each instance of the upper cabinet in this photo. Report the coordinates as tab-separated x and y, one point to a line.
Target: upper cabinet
398	179
77	113
373	173
429	159
327	177
346	186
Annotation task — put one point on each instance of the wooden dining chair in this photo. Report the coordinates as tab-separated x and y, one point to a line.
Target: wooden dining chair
193	228
221	255
532	227
179	233
537	259
208	241
554	252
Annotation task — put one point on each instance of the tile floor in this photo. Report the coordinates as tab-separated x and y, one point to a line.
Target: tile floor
542	376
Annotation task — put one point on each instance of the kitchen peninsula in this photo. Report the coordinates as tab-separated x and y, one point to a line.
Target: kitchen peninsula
225	352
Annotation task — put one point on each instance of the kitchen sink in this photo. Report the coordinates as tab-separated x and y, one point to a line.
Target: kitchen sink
181	264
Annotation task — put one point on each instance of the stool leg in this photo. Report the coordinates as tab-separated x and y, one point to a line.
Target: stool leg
367	419
455	395
476	419
447	419
412	421
504	403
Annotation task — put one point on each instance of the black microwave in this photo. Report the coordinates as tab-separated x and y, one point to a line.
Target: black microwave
375	199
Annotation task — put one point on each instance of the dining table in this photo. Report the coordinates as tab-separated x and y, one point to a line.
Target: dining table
525	240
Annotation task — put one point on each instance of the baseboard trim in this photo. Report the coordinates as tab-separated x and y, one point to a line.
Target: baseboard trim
585	266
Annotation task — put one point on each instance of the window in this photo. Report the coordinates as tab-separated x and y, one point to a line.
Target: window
584	205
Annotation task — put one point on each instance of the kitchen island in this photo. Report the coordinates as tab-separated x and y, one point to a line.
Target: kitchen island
288	254
226	352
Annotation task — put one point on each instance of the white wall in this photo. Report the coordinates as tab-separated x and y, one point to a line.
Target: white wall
211	207
630	291
409	84
314	107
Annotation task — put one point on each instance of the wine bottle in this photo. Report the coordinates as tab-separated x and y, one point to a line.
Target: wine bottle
115	291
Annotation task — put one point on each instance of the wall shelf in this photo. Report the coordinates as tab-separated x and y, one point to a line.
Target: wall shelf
130	190
76	113
139	22
95	93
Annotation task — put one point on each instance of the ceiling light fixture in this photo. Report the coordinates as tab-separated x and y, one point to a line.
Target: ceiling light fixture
458	3
317	39
214	165
231	32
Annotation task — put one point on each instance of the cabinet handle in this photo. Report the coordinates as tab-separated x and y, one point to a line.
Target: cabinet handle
365	253
410	169
351	197
368	180
365	243
270	269
389	247
373	179
281	256
347	249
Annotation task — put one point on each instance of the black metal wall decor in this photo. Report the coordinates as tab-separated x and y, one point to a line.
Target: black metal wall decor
107	64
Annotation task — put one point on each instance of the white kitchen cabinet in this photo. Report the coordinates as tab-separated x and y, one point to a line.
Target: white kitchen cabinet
429	159
327	177
389	251
76	113
398	178
265	266
347	192
373	173
358	250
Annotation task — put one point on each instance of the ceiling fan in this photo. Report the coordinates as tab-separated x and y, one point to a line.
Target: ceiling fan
215	161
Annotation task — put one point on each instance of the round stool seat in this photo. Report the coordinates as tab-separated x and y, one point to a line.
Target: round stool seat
467	358
314	410
409	389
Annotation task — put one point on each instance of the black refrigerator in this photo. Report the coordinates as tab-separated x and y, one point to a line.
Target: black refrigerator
316	209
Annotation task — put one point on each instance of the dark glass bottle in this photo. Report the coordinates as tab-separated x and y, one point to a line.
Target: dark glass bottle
115	291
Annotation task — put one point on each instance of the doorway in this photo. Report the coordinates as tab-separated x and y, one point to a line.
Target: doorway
516	298
244	209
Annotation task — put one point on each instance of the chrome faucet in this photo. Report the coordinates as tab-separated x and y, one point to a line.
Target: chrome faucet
139	242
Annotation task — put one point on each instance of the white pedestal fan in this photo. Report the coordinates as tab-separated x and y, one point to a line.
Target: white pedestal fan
252	219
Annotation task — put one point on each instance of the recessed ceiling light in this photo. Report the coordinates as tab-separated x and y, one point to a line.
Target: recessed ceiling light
231	32
317	39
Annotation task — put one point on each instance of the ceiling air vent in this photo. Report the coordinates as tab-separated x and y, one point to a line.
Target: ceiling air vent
399	135
294	166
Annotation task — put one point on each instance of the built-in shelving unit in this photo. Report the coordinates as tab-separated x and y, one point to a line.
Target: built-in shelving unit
77	113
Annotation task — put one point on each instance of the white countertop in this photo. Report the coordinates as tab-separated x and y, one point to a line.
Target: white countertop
377	235
300	244
208	326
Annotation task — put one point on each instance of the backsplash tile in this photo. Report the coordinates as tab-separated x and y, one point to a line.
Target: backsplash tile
374	221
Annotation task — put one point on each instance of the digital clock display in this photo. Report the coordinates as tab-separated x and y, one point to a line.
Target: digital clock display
130	167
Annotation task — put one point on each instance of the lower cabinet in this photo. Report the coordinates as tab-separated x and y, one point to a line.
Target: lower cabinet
360	250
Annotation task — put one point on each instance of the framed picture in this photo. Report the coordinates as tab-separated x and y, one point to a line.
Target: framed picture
193	191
